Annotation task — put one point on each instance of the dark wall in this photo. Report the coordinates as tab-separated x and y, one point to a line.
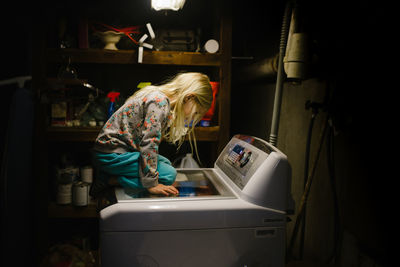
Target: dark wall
16	137
351	46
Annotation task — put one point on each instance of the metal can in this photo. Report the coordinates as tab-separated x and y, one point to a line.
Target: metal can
64	194
87	174
67	175
80	194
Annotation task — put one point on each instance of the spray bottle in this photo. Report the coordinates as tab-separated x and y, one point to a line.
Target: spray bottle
112	96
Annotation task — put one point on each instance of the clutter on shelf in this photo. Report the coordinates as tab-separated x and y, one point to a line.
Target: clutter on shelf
75	102
69	254
72	182
111	35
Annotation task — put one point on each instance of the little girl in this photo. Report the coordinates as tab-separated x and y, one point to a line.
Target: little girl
126	149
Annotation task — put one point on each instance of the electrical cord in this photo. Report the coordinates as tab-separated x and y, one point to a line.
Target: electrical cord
314	108
280	73
331	171
328	133
306	192
330	157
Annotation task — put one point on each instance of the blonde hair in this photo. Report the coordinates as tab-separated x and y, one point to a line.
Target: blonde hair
179	89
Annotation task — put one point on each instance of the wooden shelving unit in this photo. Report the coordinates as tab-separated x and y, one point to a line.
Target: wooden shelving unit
102	56
47	59
69	211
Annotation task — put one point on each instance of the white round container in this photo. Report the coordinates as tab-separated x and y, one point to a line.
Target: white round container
211	46
80	194
87	174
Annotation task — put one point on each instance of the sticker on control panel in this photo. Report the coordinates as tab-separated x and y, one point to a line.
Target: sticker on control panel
239	156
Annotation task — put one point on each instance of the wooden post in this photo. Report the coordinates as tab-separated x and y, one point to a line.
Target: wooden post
225	73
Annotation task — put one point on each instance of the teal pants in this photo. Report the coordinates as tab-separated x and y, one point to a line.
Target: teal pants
125	167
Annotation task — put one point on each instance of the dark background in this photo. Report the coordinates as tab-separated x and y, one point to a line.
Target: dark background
355	48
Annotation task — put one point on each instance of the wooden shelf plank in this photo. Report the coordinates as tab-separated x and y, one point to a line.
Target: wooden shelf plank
89	134
67	81
72	134
131	57
69	211
207	133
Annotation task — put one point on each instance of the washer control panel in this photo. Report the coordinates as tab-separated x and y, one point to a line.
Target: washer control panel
240	159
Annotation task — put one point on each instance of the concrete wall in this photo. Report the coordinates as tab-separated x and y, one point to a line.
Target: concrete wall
346	40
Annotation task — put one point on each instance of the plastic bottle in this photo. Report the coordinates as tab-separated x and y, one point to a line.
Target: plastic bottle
189	162
112	96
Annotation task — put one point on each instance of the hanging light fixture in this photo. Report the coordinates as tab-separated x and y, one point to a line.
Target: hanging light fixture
174	5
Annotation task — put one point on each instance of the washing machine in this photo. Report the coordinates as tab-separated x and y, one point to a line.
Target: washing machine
233	214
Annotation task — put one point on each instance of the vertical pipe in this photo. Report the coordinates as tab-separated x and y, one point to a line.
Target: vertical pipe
280	76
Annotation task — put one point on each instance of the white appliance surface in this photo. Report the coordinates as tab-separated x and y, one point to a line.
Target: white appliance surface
231	215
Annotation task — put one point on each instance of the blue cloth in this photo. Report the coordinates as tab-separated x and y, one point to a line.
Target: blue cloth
125	167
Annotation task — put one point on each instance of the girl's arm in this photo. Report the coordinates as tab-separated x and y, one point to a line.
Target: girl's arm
156	111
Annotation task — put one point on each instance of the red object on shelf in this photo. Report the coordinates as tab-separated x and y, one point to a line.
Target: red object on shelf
210	113
113	95
128	31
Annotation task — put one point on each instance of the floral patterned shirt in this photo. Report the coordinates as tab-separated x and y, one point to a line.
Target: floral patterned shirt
138	126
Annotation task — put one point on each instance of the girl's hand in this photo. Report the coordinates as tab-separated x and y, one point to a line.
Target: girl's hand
161	189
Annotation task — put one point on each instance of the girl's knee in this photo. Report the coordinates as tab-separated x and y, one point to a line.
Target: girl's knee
167	173
164	160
